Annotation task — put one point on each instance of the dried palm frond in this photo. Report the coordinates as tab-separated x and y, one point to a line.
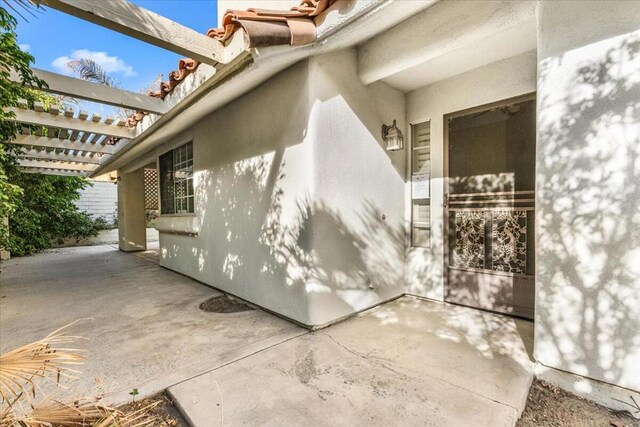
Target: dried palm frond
45	358
20	371
137	418
56	413
7	417
83	412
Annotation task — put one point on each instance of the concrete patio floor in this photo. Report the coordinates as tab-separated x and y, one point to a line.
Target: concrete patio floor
407	362
143	324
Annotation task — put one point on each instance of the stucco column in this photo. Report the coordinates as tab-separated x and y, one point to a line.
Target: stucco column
131	215
588	192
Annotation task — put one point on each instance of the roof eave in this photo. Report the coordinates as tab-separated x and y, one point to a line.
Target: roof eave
337	28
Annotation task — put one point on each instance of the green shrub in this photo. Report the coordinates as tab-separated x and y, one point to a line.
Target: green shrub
46	213
40	208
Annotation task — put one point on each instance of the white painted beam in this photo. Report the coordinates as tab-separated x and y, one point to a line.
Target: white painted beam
46	119
447	39
142	24
43	141
64	133
62	157
54	172
45	164
82	115
77	88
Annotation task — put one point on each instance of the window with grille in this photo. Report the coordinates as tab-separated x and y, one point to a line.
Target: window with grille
420	185
176	181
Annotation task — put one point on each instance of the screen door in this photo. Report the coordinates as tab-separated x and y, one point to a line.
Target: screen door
489	208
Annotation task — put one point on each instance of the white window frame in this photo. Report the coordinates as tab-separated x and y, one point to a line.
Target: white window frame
182	176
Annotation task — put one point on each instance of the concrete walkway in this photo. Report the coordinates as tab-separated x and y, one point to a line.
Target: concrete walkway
143	324
104	237
408	362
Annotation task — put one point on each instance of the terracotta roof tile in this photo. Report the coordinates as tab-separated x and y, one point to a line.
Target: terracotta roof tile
186	66
133	119
263	27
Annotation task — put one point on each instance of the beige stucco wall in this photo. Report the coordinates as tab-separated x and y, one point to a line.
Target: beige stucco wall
588	190
291	184
504	79
251	162
359	255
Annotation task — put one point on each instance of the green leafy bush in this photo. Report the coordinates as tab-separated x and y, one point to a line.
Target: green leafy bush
40	208
47	213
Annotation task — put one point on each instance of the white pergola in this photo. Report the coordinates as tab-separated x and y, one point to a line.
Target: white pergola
66	142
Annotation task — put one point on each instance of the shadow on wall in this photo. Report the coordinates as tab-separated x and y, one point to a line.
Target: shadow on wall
255	238
588	182
265	232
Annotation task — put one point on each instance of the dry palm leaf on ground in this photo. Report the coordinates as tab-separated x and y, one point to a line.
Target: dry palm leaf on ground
24	404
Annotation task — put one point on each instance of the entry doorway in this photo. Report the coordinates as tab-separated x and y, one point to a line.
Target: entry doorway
490	207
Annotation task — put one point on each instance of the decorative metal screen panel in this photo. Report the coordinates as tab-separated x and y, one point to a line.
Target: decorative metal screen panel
491	239
151	189
509	241
469	244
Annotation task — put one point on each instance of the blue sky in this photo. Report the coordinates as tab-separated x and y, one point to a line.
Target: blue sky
53	38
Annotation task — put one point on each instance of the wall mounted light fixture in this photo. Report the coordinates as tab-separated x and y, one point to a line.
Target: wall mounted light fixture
393	137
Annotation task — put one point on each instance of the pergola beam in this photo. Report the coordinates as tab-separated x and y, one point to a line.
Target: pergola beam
64	144
77	88
62	157
142	24
53	172
49	120
44	164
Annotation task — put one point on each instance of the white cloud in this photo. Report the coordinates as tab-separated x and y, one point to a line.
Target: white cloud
24	47
111	64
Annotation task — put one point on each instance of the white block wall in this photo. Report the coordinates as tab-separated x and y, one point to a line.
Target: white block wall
99	200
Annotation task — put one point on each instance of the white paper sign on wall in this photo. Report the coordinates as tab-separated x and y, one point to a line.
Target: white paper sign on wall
420	187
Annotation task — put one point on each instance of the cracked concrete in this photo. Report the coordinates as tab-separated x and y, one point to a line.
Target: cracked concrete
410	361
420	362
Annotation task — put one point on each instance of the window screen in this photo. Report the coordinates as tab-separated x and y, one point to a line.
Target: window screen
176	181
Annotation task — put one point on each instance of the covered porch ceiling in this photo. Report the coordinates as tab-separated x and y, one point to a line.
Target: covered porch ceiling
448	39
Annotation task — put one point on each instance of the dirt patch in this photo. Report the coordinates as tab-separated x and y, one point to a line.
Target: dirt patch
164	414
224	304
550	406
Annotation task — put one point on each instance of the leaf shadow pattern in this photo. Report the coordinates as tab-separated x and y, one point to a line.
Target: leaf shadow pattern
259	236
588	212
